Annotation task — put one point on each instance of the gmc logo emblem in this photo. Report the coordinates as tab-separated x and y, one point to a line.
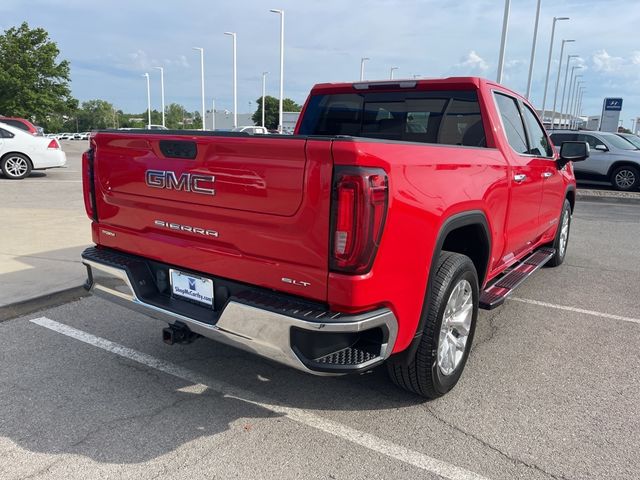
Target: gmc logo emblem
187	182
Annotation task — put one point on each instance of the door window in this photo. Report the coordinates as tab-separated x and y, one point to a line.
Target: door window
512	122
591	140
538	139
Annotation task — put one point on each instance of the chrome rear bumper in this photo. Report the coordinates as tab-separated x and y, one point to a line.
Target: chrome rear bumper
258	330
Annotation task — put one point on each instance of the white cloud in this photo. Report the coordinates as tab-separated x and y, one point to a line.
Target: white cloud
635	57
603	62
140	60
472	63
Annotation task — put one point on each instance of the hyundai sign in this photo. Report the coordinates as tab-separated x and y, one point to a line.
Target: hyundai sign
614	104
610	114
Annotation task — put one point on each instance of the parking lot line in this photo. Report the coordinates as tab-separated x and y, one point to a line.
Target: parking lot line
577	310
366	440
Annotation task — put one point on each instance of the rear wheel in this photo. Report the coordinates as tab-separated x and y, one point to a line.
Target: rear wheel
449	325
15	166
625	178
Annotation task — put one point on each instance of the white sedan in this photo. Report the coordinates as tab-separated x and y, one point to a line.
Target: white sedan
20	153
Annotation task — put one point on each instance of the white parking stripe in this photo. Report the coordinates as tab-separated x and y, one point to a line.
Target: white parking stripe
577	310
366	440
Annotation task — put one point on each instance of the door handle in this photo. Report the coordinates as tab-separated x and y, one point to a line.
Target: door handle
519	177
547	174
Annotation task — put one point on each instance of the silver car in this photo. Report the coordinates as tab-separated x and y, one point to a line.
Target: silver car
613	159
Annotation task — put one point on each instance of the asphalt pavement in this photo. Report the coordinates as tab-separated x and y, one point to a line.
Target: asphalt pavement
551	391
44	229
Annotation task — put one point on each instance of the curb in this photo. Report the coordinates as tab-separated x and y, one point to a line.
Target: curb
604	196
55	299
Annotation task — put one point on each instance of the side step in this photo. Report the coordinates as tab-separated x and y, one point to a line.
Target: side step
494	295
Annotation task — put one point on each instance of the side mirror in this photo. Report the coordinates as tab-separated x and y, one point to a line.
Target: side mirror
601	148
573	152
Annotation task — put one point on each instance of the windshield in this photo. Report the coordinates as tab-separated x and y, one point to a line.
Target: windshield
619	142
635	140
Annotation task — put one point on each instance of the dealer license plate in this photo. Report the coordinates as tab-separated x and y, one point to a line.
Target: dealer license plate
191	287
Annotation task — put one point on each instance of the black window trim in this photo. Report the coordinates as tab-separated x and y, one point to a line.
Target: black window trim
504	130
522	106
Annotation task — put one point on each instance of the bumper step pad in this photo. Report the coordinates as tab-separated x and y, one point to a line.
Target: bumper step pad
347	356
494	295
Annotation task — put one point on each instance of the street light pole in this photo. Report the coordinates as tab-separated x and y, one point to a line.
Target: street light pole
555	95
576	102
280	118
533	49
362	60
235	79
162	91
146	75
574	92
564	88
391	72
546	81
201	81
579	107
570	96
213	114
503	40
264	84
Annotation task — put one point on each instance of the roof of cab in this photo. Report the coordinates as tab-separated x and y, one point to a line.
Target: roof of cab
406	83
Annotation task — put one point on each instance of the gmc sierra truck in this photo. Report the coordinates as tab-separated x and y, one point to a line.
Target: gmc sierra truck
373	234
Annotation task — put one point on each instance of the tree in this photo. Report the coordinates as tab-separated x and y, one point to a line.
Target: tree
272	111
95	114
33	84
175	115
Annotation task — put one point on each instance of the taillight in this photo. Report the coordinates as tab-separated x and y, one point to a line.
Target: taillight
54	145
88	188
360	198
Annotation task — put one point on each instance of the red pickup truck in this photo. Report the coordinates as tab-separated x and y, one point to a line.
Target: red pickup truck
371	235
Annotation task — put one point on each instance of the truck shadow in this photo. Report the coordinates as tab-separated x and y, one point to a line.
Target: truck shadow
59	396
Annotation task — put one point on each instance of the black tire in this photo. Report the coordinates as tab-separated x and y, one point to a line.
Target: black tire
421	374
625	178
9	164
561	250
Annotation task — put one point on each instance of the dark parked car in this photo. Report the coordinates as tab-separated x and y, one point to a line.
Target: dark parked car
613	159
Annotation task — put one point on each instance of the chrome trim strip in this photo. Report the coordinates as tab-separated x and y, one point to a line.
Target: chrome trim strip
249	328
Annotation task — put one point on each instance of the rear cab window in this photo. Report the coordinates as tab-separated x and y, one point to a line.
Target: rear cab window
444	117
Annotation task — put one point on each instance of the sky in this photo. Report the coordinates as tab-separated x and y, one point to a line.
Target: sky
112	44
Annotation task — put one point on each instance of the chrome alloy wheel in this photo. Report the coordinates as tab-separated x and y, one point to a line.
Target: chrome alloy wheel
564	234
625	179
456	326
16	166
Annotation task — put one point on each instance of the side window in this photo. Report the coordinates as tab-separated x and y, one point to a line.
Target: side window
537	137
559	138
17	124
512	121
590	139
5	134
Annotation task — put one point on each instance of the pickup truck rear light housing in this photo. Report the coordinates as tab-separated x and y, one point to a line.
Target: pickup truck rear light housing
88	186
359	207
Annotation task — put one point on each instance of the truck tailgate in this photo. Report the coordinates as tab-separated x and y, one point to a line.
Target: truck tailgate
252	209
